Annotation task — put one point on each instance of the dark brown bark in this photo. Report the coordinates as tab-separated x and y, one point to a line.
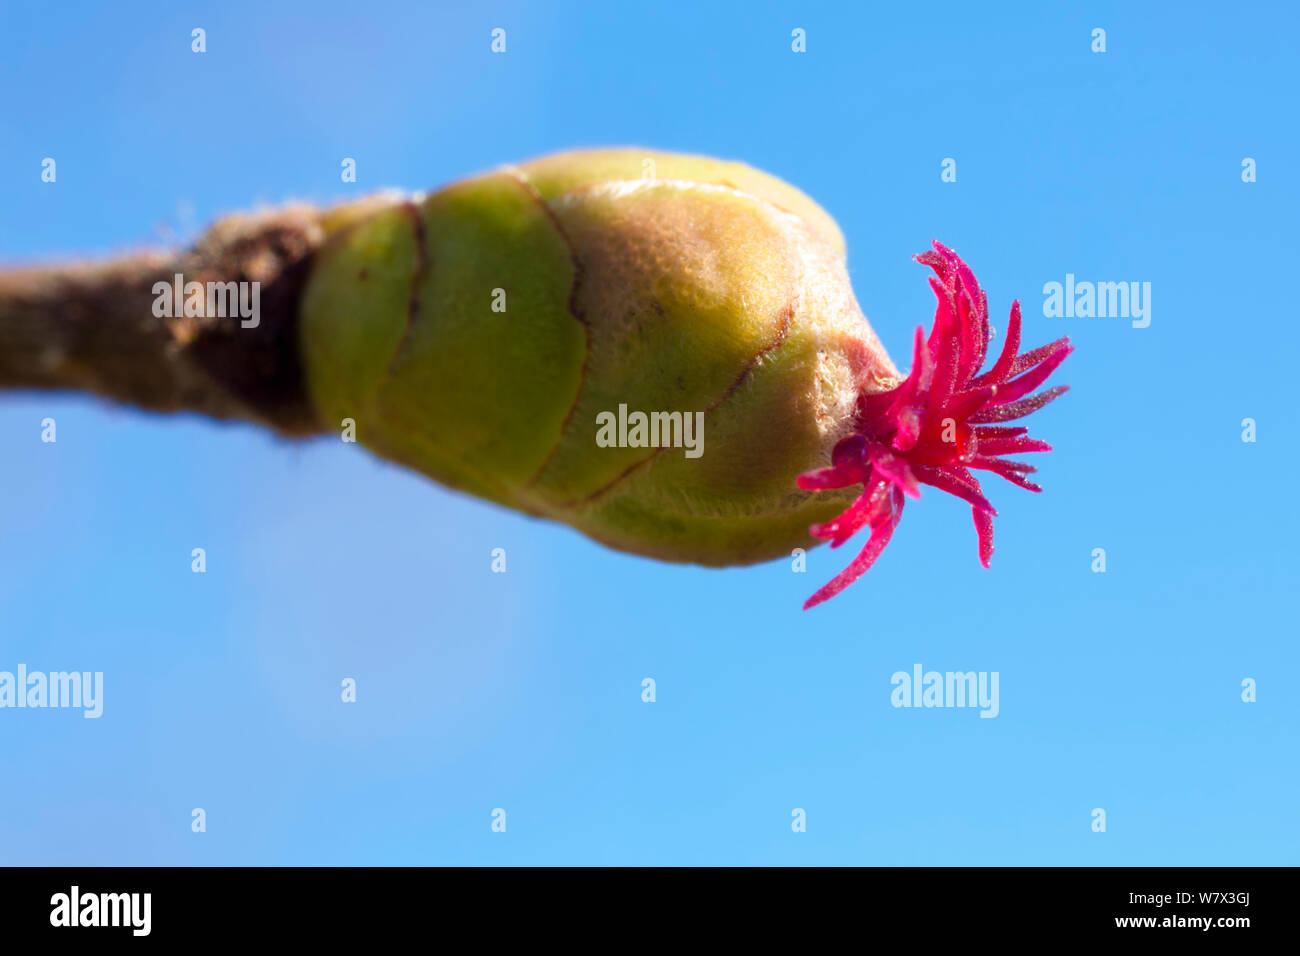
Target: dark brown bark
92	328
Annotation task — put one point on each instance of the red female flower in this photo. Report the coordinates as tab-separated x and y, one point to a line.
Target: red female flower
939	423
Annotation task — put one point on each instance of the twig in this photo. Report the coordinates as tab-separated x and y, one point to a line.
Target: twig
93	328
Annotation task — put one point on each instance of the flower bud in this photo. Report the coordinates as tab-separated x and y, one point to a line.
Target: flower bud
651	359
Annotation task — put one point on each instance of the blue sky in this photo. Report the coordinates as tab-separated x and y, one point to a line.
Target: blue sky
522	691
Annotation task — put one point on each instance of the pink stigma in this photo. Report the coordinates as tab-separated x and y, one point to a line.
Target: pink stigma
939	423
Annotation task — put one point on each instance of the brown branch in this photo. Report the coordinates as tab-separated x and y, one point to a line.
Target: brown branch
92	328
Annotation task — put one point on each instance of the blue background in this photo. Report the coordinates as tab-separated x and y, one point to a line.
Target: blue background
477	690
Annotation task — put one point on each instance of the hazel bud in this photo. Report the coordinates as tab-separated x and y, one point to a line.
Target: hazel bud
652	360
